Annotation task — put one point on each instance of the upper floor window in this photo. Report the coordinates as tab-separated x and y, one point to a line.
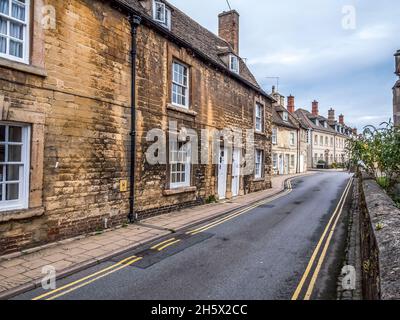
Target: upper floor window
180	85
292	139
326	141
234	63
14	166
274	135
285	116
316	140
14	43
259	115
162	14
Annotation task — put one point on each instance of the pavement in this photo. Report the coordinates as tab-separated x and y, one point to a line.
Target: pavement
22	271
259	252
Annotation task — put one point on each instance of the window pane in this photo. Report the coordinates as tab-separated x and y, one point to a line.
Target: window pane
3	45
1	175
4	6
18	11
16	49
12	191
17	31
2	153
13	172
3	26
15	134
14	153
2	133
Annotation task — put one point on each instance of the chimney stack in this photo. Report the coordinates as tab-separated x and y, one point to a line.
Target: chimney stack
290	104
355	131
315	110
229	28
397	56
331	115
341	119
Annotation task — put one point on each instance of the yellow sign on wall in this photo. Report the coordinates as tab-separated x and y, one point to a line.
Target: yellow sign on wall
123	185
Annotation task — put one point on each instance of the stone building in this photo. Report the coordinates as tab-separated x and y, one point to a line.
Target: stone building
396	92
65	108
327	136
289	138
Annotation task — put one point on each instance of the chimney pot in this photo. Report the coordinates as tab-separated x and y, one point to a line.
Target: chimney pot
341	119
229	28
315	108
290	104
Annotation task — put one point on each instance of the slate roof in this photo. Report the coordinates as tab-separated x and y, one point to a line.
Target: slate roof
306	117
277	119
199	39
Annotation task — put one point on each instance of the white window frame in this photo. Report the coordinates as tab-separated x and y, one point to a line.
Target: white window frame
285	116
26	32
274	135
166	22
292	139
316	141
275	161
23	201
259	117
292	161
185	149
181	84
234	63
259	160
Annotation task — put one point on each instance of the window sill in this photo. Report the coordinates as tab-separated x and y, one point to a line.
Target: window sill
7	216
22	67
172	192
181	109
260	133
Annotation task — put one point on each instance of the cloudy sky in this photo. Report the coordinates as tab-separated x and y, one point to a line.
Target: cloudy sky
304	43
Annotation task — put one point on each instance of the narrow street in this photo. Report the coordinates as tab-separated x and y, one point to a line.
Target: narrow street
259	253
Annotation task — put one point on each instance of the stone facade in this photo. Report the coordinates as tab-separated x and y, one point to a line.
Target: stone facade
75	97
289	143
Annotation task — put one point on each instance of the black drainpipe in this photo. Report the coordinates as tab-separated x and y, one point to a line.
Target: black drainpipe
135	22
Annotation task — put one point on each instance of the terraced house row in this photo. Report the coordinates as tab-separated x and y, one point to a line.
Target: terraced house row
82	82
303	140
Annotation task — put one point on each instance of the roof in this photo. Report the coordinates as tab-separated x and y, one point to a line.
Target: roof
305	117
277	119
199	39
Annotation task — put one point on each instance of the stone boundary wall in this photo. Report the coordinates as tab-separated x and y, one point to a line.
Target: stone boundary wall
380	242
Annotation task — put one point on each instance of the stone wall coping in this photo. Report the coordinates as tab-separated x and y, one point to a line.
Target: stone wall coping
179	190
38	71
7	216
385	220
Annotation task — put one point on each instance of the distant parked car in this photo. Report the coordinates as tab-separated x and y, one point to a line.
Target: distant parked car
321	164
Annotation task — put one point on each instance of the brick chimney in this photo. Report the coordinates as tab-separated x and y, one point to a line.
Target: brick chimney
315	110
229	28
355	131
290	104
341	119
331	115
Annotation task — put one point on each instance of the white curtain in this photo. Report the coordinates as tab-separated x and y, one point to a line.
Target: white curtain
4	6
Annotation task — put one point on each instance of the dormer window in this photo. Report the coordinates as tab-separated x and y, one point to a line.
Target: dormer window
285	116
234	63
316	122
162	14
325	124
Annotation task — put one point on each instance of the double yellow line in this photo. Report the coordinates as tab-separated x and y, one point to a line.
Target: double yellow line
240	212
165	244
88	280
331	226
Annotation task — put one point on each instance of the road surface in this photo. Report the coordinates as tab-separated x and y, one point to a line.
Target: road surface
272	251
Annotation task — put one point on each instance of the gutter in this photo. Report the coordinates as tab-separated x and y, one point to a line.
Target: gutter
135	22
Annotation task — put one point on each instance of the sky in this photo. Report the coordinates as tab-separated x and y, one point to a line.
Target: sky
339	52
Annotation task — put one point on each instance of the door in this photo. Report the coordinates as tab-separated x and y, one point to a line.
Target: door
235	172
222	173
280	164
301	163
286	164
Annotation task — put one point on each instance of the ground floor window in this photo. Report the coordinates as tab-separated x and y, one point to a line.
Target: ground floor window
275	161
292	161
179	165
14	166
259	164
